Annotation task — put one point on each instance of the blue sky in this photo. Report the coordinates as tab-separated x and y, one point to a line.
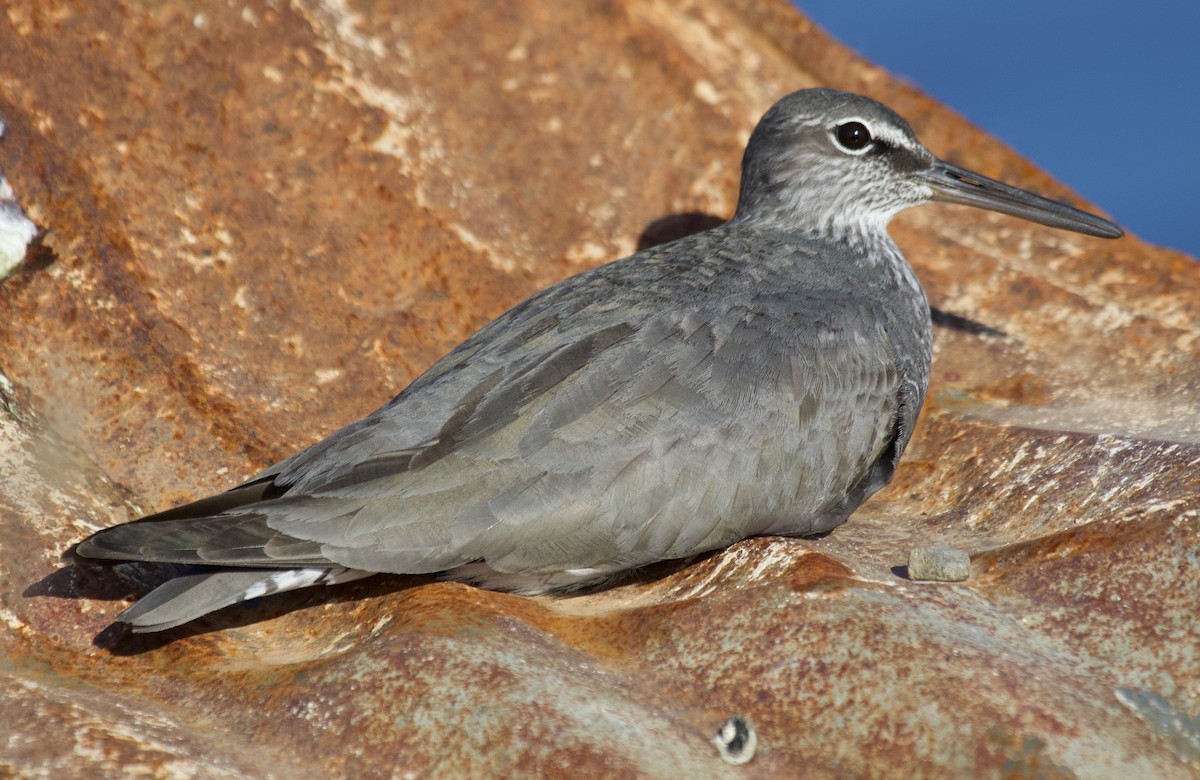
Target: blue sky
1103	95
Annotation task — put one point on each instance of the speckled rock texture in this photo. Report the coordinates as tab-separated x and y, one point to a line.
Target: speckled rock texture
261	219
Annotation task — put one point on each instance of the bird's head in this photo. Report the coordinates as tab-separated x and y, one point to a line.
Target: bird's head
840	165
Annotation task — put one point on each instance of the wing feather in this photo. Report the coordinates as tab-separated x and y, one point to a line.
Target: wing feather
591	429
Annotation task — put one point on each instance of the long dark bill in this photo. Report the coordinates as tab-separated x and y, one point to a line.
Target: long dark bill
952	184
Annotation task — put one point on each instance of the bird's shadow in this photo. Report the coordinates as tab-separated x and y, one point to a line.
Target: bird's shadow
114	583
951	321
123	581
676	226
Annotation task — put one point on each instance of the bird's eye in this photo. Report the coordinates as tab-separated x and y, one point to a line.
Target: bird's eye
853	136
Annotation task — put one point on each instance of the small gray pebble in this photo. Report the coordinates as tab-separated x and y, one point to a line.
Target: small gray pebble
940	563
736	741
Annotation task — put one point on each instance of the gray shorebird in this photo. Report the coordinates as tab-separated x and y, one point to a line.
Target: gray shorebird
762	377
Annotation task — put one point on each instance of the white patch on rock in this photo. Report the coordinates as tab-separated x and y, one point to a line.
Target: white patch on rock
705	91
16	230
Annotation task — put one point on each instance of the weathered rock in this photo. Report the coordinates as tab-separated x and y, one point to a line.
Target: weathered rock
263	219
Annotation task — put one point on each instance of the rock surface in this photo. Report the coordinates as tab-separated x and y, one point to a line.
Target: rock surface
262	219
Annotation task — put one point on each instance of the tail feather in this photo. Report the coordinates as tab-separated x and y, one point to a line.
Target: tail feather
186	598
222	540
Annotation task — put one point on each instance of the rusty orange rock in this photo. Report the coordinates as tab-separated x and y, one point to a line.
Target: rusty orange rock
262	221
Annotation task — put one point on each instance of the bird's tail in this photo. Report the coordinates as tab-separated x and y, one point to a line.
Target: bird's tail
186	598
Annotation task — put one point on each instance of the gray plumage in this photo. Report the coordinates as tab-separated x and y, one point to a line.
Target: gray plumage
762	377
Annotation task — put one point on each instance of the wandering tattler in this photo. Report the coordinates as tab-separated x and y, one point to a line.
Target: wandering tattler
762	377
